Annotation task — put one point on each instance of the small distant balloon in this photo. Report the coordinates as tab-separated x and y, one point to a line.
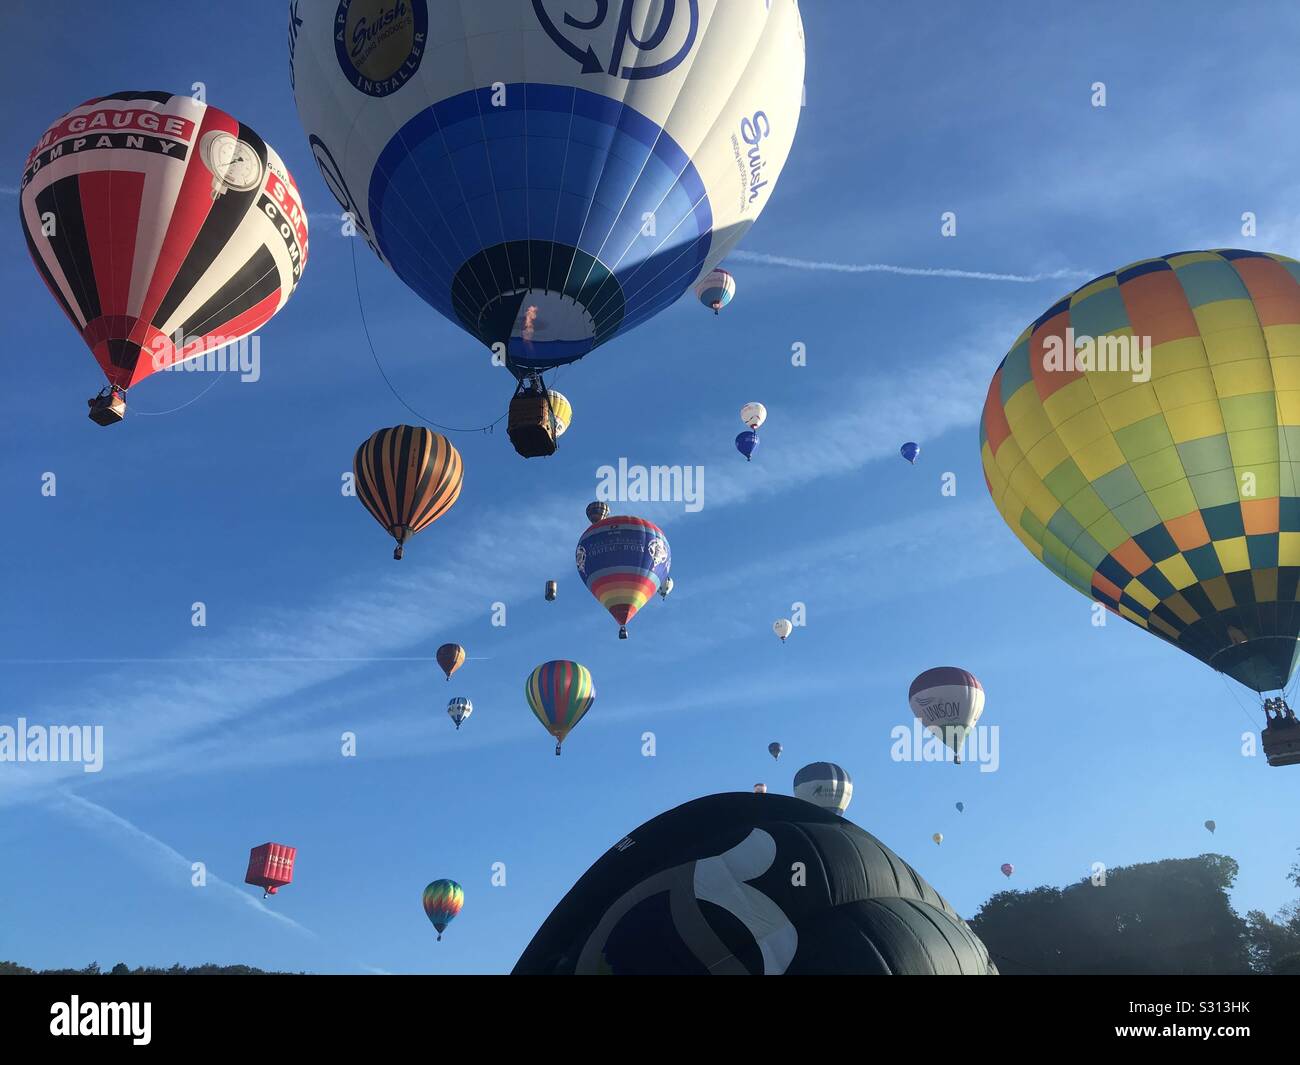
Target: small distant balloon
910	451
760	789
450	656
1008	868
552	590
753	414
561	411
775	749
826	785
623	561
961	807
947	701
407	477
560	693
443	900
783	628
270	867
716	290
458	710
747	444
1211	826
938	838
667	589
597	512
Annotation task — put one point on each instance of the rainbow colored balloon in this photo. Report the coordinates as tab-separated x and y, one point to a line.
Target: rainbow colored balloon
443	900
560	693
623	561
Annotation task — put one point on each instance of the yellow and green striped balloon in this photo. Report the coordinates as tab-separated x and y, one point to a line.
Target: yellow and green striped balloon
1142	439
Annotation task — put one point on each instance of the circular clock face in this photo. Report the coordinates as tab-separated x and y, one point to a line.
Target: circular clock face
233	162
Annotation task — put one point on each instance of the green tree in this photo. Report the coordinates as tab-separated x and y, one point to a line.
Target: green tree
1165	917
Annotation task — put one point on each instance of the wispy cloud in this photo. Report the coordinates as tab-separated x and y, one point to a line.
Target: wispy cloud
163	859
763	259
243	705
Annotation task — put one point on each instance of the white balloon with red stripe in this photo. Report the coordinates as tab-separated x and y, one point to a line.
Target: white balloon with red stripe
948	701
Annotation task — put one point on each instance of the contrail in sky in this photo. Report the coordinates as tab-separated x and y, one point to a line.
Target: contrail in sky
905	271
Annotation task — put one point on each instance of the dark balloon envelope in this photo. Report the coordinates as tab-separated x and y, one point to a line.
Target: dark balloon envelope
709	887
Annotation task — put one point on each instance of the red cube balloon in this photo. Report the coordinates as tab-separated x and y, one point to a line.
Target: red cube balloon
270	867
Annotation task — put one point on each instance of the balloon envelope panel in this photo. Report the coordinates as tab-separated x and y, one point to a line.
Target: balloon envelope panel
548	177
706	888
1142	439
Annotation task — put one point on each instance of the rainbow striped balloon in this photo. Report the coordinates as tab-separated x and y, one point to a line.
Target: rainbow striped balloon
623	561
443	900
560	693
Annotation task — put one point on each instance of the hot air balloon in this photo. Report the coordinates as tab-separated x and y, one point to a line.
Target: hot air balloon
1211	826
747	444
597	512
716	290
775	749
948	701
561	411
652	139
938	838
1008	868
961	807
760	789
910	451
443	900
450	656
552	590
667	589
782	627
164	228
623	561
407	477
560	693
706	889
753	415
270	867
1135	439
824	784
459	709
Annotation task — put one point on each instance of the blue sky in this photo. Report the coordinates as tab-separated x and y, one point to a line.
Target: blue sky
1114	747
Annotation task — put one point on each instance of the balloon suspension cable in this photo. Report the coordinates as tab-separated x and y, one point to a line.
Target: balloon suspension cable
485	429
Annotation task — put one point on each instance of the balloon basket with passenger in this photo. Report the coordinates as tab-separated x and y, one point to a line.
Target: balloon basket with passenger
109	407
532	424
1281	736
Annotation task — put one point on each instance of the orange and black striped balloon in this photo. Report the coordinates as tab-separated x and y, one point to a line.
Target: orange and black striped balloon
407	477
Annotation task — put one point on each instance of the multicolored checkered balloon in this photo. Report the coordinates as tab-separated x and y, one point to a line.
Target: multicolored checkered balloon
1142	438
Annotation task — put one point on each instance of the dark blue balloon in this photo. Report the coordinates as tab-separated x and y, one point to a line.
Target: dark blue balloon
747	443
909	451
